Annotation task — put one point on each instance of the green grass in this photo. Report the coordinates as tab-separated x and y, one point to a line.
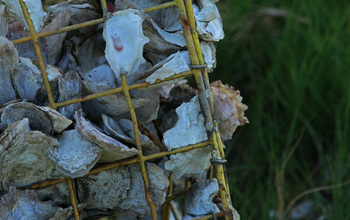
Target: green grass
293	73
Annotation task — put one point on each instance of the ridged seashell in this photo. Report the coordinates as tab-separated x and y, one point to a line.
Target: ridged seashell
136	204
189	129
75	156
229	109
35	10
124	41
40	118
106	189
8	62
208	20
70	87
194	163
199	198
26	160
19	204
113	150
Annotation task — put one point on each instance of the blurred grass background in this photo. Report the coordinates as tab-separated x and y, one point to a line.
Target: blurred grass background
290	60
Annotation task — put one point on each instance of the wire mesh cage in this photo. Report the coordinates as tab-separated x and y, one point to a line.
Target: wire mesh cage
198	72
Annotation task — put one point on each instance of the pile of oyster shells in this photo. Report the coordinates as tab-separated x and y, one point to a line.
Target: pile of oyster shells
38	143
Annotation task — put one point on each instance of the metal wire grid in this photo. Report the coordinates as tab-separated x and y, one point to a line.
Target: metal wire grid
200	74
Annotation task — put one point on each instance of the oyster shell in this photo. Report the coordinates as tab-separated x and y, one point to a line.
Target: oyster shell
194	163
35	10
75	156
208	20
209	54
42	119
68	213
113	150
173	65
18	204
29	84
199	198
8	62
124	41
70	87
104	190
136	204
229	109
189	129
26	160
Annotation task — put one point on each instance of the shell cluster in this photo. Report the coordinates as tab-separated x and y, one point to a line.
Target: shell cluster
39	143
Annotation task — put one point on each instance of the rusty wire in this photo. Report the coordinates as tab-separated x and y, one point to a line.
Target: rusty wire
200	74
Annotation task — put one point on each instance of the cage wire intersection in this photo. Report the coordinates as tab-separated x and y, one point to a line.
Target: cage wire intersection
198	71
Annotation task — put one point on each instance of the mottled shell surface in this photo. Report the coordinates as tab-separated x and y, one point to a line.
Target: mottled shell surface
3	21
199	198
229	109
75	156
136	204
35	10
26	160
189	129
20	204
105	190
113	150
124	41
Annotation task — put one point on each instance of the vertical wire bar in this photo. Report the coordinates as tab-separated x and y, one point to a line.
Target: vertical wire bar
187	186
38	53
166	206
73	199
220	174
104	8
141	159
192	22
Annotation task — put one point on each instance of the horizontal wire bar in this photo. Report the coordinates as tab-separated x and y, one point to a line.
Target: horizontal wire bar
119	89
160	6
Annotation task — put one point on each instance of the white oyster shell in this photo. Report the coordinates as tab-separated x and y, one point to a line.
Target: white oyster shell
194	163
75	156
136	204
8	62
59	122
34	8
209	54
106	189
113	150
18	204
173	65
208	20
124	41
199	198
189	129
26	160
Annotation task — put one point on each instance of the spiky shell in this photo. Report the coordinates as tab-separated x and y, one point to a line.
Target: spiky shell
229	109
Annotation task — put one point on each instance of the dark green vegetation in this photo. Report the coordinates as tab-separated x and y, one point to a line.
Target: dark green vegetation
293	73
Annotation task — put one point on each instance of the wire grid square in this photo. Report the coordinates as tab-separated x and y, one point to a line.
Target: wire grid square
200	74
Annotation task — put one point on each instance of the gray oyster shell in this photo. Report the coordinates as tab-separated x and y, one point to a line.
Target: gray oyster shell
8	62
113	150
75	156
19	204
199	198
25	160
